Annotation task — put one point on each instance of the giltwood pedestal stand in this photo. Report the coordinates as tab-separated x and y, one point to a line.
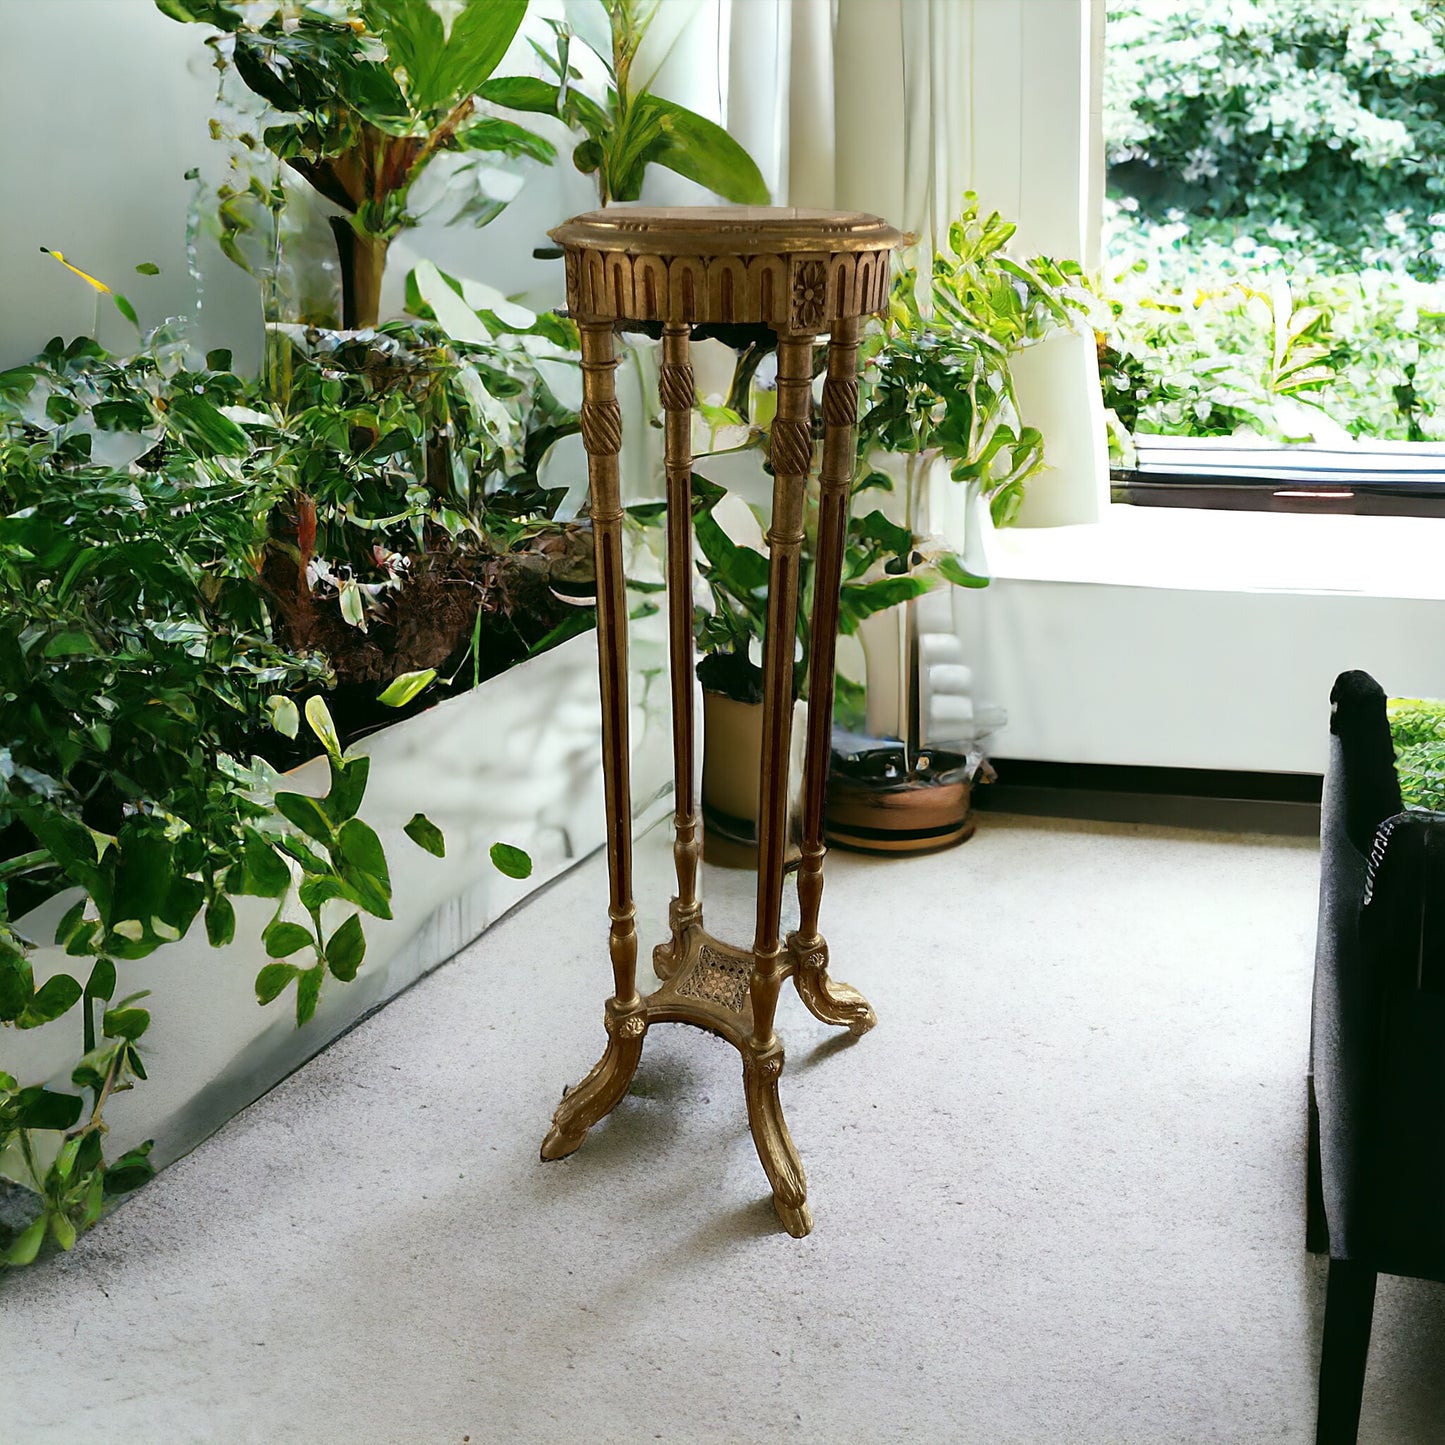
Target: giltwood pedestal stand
800	274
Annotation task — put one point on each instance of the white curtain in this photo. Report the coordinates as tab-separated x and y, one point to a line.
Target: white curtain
898	107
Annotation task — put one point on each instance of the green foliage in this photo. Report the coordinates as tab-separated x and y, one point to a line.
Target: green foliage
351	868
1417	726
881	568
1207	342
1317	124
940	385
506	859
73	1189
367	96
936	383
138	664
1275	229
404	441
631	128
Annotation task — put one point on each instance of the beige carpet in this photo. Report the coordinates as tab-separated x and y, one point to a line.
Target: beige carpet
1057	1192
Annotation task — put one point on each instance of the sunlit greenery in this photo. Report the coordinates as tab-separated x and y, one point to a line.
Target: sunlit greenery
1275	236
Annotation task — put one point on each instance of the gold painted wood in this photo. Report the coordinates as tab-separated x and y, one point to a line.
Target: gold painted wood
833	1003
675	383
803	274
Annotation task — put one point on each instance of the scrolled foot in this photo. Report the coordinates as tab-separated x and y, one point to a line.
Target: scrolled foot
798	1222
825	998
776	1150
602	1090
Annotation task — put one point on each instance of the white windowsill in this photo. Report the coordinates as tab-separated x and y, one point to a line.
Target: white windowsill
1188	549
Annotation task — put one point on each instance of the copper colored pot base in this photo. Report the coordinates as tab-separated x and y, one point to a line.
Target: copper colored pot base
913	817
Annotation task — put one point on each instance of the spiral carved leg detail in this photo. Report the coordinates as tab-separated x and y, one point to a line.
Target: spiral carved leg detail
825	998
602	1090
775	1147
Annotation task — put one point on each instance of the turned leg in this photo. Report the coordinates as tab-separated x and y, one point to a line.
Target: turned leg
1317	1228
833	1003
1349	1312
626	1016
792	456
676	387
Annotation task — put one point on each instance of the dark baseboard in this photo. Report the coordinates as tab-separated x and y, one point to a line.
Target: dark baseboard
1281	803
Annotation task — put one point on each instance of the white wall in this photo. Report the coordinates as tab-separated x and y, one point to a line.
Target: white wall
1176	638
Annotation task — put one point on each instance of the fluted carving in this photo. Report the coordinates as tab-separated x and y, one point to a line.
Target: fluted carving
840	401
602	428
676	388
792	452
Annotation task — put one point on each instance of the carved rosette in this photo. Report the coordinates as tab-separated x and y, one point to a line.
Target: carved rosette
628	1026
810	295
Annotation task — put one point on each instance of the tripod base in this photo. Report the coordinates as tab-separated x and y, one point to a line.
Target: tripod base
711	985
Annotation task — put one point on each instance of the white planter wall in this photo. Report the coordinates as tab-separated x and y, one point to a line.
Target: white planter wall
1171	637
516	761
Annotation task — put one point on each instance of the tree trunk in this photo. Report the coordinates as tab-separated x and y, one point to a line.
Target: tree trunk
363	261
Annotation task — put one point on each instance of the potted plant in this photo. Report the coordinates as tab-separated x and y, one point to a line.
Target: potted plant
938	395
942	400
880	571
366	101
146	707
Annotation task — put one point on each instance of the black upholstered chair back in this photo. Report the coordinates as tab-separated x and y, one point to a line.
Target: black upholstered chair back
1377	1045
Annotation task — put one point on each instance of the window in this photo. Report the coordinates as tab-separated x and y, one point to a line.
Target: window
1275	252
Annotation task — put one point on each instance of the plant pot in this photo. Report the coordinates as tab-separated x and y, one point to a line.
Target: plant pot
517	760
731	766
878	803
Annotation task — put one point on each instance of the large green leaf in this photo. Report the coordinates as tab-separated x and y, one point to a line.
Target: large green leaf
373	93
362	850
522	92
425	834
952	568
206	12
41	1108
514	862
704	152
742	570
272	980
480	37
307	814
283	939
131	1170
405	686
17	981
415	40
27	1243
348	787
201	424
308	990
262	873
56	996
505	137
346	948
858	600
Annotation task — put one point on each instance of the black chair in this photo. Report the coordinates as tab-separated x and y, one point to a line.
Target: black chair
1376	1185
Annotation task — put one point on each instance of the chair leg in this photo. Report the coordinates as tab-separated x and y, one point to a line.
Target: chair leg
1317	1229
1349	1311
